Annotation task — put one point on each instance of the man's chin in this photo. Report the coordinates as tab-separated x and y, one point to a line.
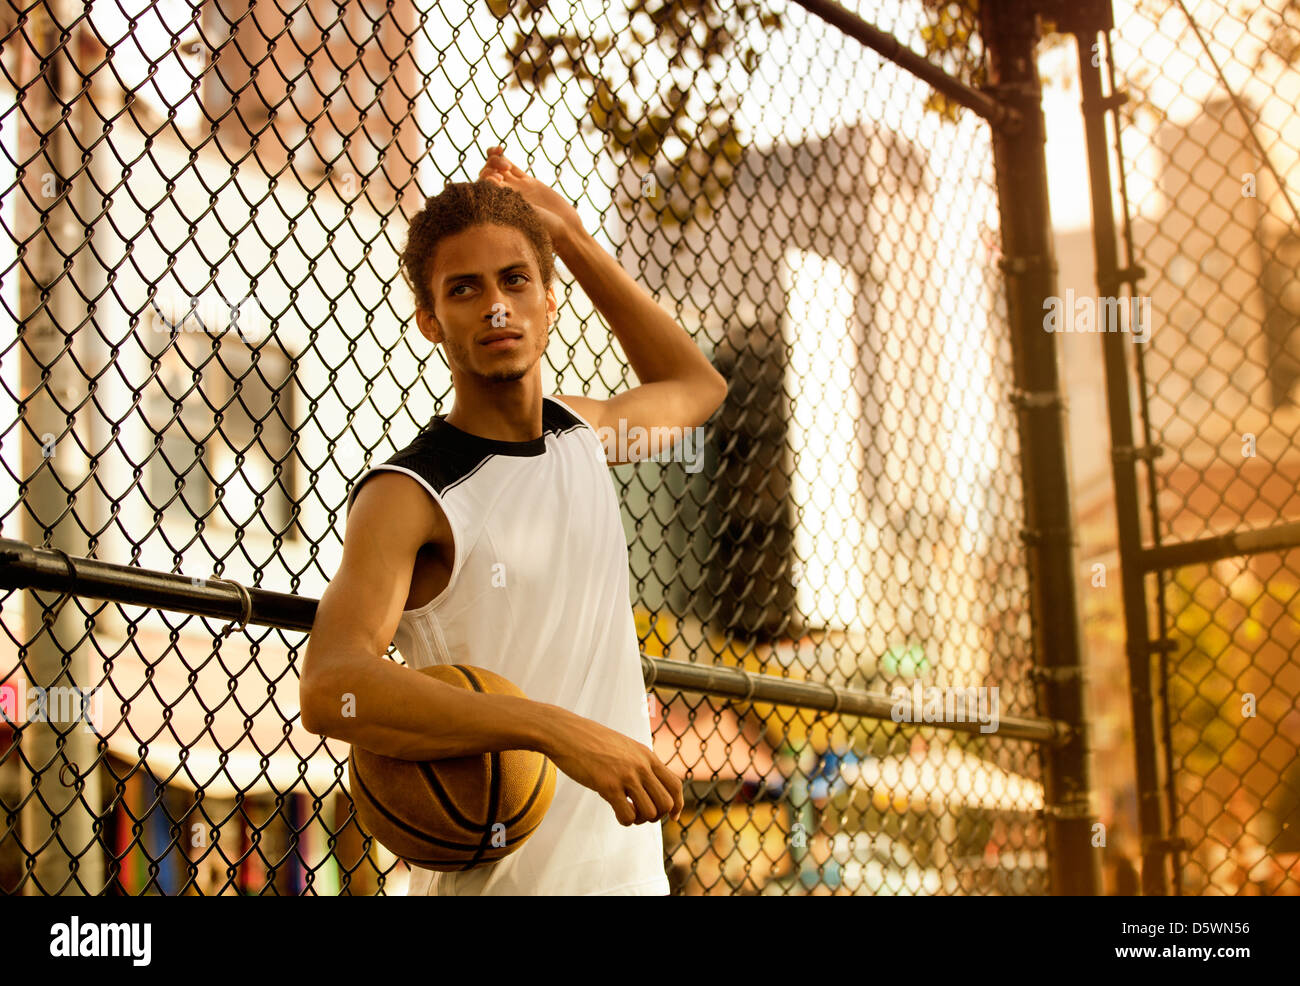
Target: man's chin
508	375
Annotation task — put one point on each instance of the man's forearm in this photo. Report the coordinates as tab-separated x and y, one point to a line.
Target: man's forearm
398	712
657	347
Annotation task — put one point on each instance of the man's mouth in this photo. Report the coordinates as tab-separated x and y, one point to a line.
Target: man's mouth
500	340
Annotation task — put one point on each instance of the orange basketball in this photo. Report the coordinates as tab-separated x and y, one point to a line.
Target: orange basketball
457	813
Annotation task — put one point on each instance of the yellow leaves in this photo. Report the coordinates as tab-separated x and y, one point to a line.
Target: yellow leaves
655	630
500	9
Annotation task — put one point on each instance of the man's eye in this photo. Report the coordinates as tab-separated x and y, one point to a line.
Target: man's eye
458	287
524	276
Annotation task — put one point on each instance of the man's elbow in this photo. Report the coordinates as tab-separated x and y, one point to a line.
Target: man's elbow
307	710
717	388
312	715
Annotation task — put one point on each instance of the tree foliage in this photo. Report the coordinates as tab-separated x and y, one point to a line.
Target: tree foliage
685	133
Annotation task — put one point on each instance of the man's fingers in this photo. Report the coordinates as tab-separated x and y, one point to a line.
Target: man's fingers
653	798
645	808
623	811
672	783
664	801
496	153
505	164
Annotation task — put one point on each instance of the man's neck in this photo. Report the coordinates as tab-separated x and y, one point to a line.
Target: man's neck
505	412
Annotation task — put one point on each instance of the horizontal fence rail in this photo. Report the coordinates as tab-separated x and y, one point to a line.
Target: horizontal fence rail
23	566
1280	537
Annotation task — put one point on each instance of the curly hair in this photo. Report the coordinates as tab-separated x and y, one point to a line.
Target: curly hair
458	207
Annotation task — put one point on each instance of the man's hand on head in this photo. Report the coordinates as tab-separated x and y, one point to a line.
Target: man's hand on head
557	214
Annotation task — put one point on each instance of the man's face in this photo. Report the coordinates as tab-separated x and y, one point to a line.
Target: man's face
485	282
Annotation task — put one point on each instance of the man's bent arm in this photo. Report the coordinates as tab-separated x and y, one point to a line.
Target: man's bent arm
657	347
679	388
393	710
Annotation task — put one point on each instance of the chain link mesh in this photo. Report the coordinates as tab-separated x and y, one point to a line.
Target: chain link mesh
1210	155
206	201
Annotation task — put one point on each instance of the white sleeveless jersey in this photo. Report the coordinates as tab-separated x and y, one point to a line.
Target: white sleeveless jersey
538	594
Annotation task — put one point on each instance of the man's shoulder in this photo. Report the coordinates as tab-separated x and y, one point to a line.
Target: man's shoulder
428	460
567	411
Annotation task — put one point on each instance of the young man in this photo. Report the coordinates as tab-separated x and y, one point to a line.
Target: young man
495	539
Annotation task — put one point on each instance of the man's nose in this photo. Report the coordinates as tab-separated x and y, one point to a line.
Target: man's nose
495	305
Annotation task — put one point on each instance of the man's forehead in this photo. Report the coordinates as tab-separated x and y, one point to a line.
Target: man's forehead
453	261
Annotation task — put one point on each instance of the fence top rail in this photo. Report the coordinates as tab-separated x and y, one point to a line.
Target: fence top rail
996	112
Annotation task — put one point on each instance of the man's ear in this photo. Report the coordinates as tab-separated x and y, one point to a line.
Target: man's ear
552	309
429	327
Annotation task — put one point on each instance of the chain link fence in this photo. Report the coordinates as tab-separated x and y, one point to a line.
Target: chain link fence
206	202
1210	159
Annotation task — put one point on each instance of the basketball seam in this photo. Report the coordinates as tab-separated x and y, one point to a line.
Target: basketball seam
434	840
431	862
378	806
494	788
440	792
536	793
480	850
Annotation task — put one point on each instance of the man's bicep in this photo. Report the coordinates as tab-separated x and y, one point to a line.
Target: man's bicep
649	419
390	520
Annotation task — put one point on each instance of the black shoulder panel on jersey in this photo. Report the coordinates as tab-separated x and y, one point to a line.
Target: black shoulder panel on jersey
443	455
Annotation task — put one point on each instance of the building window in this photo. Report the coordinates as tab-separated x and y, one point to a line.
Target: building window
223	433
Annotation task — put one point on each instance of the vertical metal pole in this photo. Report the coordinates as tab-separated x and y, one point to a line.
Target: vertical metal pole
1010	32
59	815
1124	475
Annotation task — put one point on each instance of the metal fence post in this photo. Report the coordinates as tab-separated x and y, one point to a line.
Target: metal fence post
1124	473
1010	32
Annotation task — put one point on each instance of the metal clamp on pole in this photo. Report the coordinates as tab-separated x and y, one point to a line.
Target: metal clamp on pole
1164	845
1034	400
834	710
1110	278
245	605
1131	453
1069	673
1078	809
649	671
1037	535
71	589
1025	263
751	682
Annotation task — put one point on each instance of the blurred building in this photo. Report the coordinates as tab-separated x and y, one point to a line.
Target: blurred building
1219	242
858	496
841	494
